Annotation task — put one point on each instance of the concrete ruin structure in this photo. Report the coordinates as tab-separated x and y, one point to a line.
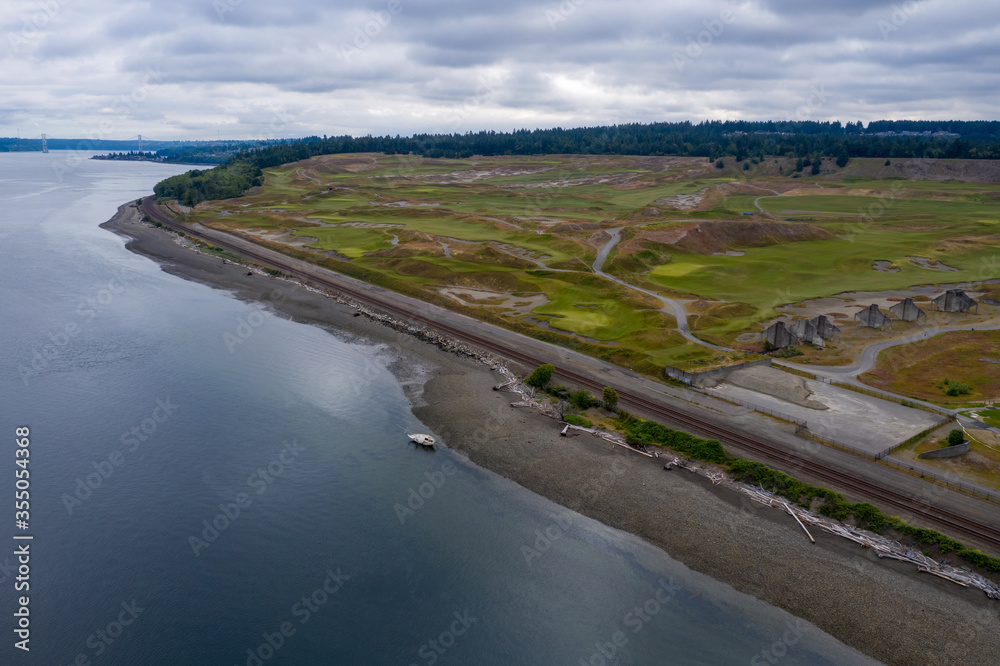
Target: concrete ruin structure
814	331
872	317
907	310
955	300
803	329
779	337
824	327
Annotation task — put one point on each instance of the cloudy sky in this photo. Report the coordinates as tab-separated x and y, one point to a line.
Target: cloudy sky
264	68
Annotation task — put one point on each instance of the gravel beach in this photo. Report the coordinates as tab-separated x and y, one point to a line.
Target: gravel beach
881	607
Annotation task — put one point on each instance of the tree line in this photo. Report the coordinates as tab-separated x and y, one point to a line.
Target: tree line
712	140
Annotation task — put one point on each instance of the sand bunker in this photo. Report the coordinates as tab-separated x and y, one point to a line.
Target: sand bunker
520	305
930	264
683	201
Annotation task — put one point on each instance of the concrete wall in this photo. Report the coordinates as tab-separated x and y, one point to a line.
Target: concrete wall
718	374
949	452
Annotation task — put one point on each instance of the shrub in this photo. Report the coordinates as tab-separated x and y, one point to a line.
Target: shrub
610	398
578	420
957	388
645	433
541	375
582	399
558	391
719	164
956	437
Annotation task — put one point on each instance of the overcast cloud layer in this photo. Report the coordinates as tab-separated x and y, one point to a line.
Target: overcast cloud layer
239	69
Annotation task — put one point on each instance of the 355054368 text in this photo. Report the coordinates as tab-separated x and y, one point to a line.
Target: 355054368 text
22	548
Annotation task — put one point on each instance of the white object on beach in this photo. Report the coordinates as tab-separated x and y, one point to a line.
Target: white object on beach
422	440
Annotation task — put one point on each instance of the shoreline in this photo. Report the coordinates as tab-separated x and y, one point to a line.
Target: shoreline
882	608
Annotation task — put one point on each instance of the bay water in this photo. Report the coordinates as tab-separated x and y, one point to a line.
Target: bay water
194	502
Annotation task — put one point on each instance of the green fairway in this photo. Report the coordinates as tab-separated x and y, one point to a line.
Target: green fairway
490	224
348	241
578	310
770	276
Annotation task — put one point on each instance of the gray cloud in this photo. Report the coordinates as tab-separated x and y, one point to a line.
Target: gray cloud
230	67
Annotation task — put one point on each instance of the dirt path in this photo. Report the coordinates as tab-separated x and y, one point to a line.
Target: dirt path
670	306
756	202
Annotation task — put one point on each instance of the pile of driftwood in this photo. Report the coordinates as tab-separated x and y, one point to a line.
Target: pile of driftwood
881	546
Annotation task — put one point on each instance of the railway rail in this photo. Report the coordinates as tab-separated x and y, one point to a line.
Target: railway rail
954	522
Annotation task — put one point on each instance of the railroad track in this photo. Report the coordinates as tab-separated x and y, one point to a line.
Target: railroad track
886	496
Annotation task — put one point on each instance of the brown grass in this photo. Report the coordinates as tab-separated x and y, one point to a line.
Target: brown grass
917	369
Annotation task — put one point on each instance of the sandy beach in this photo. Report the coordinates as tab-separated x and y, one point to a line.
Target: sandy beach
883	608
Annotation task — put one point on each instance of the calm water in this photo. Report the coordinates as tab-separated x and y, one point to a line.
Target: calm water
147	431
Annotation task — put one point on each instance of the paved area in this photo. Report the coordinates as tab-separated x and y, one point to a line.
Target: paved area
851	418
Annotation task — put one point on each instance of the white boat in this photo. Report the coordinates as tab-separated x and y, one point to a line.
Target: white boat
422	440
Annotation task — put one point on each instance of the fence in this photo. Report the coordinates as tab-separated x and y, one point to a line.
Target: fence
804	431
889	397
696	377
945	479
763	410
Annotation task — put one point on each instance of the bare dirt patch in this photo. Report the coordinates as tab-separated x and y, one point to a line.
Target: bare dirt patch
683	201
721	236
883	266
930	264
522	304
284	236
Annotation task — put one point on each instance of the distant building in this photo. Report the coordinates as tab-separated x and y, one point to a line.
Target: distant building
824	327
907	311
955	300
779	337
872	317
